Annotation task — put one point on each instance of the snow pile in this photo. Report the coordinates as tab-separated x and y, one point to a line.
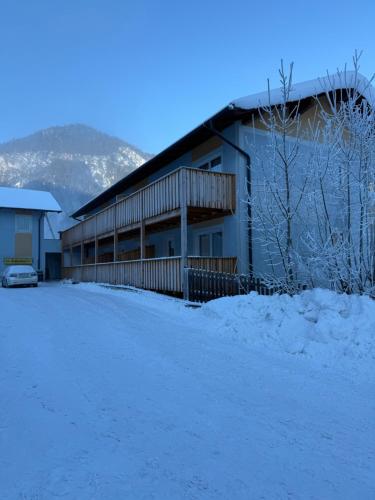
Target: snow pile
330	328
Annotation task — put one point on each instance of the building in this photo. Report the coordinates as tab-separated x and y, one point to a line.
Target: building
23	240
186	207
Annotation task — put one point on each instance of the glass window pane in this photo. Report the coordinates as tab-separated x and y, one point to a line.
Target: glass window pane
204	245
24	223
171	250
217	244
216	162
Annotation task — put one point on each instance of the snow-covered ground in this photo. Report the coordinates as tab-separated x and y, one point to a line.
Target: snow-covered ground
110	394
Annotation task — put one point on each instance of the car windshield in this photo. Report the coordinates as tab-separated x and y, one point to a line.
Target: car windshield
18	270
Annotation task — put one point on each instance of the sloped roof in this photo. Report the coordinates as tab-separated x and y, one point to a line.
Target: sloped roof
235	110
29	199
299	91
220	120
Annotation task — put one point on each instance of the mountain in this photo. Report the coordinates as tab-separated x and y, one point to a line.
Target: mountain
73	162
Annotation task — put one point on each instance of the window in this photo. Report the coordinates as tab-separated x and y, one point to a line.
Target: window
204	245
214	164
171	249
217	244
211	244
24	223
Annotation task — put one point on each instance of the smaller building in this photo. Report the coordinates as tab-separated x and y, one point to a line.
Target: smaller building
23	238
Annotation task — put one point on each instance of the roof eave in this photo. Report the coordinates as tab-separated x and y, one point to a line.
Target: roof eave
221	119
33	209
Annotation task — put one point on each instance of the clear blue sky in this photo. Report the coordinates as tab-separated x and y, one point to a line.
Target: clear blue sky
149	71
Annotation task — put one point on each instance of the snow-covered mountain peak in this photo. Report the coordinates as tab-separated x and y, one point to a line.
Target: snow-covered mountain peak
75	162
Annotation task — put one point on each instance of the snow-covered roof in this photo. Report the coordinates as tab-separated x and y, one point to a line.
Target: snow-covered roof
28	199
222	119
340	80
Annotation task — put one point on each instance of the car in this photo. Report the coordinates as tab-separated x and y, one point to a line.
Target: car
19	275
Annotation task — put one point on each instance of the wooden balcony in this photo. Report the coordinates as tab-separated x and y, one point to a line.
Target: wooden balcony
205	194
184	196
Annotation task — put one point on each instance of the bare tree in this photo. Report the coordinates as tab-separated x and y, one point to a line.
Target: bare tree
343	247
313	205
279	191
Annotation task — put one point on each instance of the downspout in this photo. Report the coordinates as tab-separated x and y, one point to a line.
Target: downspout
39	240
248	182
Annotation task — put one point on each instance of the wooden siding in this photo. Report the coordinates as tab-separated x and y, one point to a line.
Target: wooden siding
88	229
210	190
105	220
162	274
202	189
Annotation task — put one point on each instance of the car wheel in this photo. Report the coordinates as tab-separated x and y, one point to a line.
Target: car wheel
35	285
4	283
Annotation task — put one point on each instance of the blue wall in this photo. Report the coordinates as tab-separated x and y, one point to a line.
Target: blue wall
7	238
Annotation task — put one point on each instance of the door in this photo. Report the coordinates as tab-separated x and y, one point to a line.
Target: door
53	266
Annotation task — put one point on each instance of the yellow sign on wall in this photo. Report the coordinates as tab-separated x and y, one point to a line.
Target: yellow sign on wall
10	261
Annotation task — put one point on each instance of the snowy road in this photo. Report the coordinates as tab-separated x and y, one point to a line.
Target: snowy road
117	395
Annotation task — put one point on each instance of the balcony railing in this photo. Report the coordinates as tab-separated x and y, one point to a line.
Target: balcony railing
193	187
161	274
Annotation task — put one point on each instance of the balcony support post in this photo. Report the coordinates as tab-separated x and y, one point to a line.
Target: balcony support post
82	245
142	239
115	235
142	243
184	240
96	248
